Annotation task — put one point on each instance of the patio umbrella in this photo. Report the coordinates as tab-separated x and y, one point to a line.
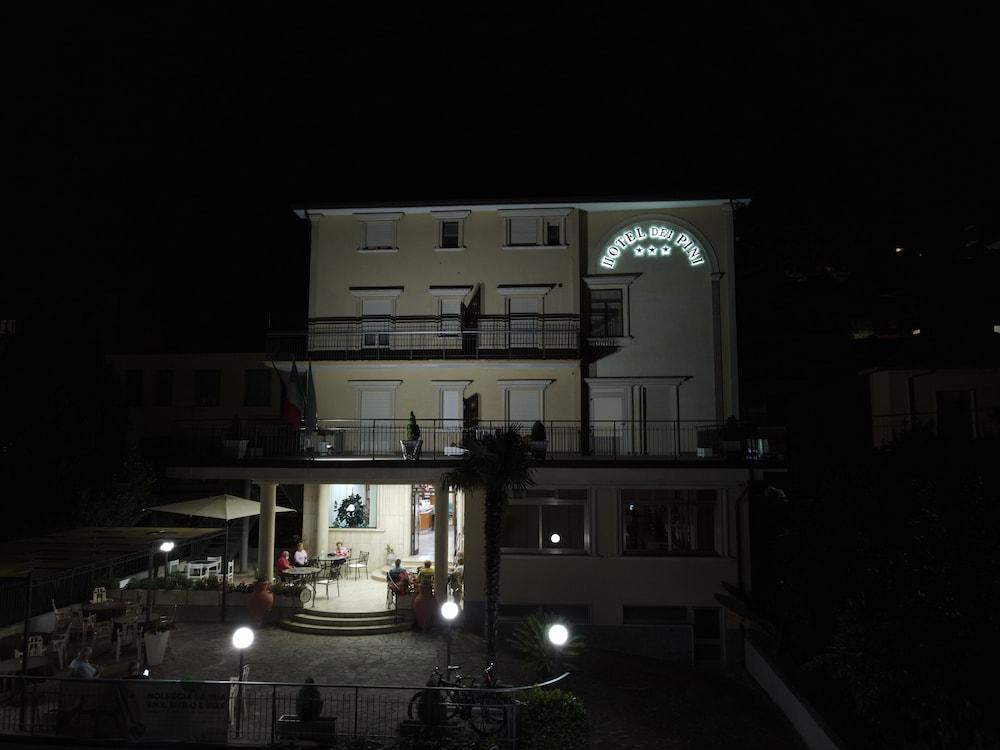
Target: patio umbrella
225	507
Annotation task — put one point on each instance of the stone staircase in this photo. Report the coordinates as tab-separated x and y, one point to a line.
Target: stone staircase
318	622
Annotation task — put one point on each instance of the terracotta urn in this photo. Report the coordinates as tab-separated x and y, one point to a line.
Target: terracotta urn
261	601
424	606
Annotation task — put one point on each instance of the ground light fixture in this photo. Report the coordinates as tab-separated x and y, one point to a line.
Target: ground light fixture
242	639
558	635
555	538
449	611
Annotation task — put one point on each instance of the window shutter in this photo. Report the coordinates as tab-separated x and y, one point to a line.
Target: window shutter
378	234
523	231
522	407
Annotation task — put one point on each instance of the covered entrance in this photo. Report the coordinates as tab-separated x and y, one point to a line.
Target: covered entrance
424	504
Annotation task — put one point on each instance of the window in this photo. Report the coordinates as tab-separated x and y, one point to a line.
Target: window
527	227
164	388
257	387
669	522
608	302
451	229
378	232
377	315
547	522
451	316
449	234
606	312
524	400
207	387
133	387
353	506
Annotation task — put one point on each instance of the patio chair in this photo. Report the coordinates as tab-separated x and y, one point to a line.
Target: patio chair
58	643
100	594
103	629
63	617
357	565
36	645
88	623
128	635
329	575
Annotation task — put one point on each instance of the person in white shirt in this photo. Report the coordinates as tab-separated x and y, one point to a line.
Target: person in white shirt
81	666
301	557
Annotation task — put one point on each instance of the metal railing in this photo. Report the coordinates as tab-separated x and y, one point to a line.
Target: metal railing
957	424
250	713
519	336
444	439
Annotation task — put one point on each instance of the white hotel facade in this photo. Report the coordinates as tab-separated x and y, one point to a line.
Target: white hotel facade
612	323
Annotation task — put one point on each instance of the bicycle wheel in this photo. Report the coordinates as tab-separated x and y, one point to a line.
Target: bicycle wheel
433	708
489	715
413	709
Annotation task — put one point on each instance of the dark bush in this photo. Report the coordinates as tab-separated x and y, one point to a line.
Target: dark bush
554	720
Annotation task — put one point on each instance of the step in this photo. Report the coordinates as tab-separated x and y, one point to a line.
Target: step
300	627
339	615
345	622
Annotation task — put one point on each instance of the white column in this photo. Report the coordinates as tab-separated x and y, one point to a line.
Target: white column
324	496
265	542
441	544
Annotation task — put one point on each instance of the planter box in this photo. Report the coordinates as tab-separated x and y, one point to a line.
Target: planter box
171	596
203	598
237	599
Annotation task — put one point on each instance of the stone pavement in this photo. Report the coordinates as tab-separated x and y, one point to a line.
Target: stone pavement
633	703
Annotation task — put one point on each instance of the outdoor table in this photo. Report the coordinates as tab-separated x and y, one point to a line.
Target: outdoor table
104	610
307	575
332	561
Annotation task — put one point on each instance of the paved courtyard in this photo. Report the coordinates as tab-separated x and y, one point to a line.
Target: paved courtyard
633	702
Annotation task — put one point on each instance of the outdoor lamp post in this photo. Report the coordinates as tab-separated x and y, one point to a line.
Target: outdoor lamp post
242	639
449	611
166	549
558	635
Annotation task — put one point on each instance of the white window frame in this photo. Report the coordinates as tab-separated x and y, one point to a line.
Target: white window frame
537	386
621	282
389	293
543	217
718	528
539	502
442	217
367	219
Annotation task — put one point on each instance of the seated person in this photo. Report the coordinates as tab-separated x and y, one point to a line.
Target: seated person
396	569
81	666
283	562
301	558
426	573
341	550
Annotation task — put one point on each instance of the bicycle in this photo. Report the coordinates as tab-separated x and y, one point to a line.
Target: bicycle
487	709
437	703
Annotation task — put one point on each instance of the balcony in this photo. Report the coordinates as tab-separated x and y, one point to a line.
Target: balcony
432	337
353	439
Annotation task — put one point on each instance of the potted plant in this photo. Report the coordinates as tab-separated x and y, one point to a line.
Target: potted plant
411	446
155	639
235	444
537	442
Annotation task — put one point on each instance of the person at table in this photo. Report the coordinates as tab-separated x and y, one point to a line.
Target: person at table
81	666
342	551
426	574
283	562
301	558
396	569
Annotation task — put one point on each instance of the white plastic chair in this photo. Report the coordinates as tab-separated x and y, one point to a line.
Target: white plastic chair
128	635
100	595
58	644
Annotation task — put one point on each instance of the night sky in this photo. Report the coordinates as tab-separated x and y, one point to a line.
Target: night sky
153	158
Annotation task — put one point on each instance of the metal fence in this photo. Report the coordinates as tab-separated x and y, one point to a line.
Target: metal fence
956	424
445	438
250	713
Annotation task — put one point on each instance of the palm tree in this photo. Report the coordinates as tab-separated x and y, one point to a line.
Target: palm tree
498	464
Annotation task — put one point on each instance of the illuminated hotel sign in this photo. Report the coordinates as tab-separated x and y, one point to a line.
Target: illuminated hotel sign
652	241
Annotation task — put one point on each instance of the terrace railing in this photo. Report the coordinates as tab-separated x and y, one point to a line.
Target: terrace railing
247	713
526	336
445	438
956	424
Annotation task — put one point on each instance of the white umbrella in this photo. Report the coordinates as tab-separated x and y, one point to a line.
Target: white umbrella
226	507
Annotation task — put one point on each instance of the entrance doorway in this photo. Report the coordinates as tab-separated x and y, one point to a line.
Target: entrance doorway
424	504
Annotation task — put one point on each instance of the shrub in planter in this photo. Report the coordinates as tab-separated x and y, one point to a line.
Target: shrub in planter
530	639
554	719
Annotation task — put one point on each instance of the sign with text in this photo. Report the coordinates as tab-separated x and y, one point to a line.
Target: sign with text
653	240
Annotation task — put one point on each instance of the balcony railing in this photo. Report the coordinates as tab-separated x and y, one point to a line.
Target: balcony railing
437	337
444	439
955	424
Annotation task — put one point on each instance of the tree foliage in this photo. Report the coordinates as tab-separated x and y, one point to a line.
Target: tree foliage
892	591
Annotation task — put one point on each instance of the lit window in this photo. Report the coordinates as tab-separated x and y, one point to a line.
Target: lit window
353	506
